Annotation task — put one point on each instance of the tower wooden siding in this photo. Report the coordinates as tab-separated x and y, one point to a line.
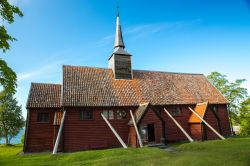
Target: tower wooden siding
123	68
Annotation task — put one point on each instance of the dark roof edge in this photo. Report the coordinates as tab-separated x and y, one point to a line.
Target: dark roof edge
160	105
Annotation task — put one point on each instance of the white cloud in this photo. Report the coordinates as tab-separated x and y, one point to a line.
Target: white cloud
49	72
106	40
43	71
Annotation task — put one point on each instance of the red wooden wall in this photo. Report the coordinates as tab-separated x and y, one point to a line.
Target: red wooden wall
196	131
40	136
95	134
173	133
133	142
151	118
222	125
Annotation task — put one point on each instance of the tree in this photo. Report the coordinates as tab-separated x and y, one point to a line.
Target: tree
7	13
11	119
245	118
233	92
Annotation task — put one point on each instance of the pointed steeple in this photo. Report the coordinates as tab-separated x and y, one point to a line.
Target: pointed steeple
120	60
118	36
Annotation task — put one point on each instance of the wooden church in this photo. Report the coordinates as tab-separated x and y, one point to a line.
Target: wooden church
97	108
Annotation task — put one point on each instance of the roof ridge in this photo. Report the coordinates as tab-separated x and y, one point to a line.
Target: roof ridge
139	70
86	67
40	83
155	71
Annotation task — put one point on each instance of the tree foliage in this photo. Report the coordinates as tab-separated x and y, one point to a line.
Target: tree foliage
11	119
245	118
233	92
7	77
7	15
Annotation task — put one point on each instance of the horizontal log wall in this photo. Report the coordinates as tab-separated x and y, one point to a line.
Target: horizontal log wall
95	133
196	131
173	133
224	120
150	117
211	119
40	136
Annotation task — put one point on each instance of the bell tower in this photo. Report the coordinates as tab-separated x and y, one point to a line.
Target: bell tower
120	60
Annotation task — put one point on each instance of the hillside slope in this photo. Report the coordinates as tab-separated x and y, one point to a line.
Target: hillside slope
231	152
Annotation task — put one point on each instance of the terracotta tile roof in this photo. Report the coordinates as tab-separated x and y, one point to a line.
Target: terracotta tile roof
200	109
44	96
139	112
87	86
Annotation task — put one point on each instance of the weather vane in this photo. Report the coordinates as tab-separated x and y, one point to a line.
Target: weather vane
117	8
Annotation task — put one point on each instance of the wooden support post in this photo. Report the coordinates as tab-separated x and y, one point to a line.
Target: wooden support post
59	134
177	124
136	129
208	125
115	133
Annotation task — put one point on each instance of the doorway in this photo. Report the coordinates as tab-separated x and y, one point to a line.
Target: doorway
151	132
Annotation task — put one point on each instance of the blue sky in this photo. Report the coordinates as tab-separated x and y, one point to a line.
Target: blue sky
164	35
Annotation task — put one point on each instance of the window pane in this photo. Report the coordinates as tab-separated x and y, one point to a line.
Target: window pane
43	117
176	111
118	114
89	114
214	108
86	114
105	113
81	115
111	114
121	114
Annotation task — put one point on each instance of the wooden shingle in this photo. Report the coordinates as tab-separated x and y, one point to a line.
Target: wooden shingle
44	96
88	86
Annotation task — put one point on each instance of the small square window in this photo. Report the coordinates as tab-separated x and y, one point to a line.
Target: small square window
86	115
121	114
109	114
214	108
43	117
176	111
105	113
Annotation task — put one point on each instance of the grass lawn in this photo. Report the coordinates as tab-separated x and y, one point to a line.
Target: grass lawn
231	152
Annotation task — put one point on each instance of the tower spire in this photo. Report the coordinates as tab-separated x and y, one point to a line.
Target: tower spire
120	60
118	36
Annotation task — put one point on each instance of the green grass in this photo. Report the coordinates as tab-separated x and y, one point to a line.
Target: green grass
231	152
